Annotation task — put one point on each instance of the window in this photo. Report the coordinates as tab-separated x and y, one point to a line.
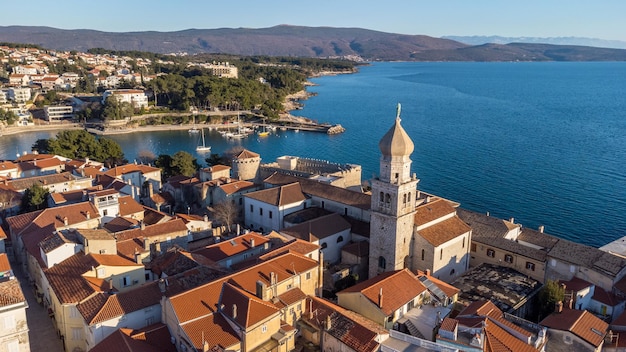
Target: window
387	198
251	208
382	263
491	253
404	198
441	254
308	276
382	197
452	272
240	201
473	246
339	239
261	211
572	269
270	214
423	253
322	204
409	197
463	242
345	211
324	245
264	328
9	322
101	272
105	212
530	266
553	262
125	281
74	312
508	258
77	334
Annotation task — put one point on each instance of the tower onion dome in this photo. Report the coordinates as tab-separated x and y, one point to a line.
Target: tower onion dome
396	142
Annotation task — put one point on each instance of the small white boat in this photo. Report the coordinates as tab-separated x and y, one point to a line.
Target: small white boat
203	148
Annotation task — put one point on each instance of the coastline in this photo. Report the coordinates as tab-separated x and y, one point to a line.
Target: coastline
291	102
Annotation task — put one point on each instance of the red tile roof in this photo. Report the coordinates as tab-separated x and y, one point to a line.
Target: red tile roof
398	288
579	322
432	210
129	206
213	329
355	331
103	306
170	227
4	263
318	228
444	231
75	213
279	196
225	249
448	289
11	293
244	308
246	154
237	186
154	338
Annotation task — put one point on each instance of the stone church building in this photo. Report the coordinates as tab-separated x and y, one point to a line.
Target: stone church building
408	228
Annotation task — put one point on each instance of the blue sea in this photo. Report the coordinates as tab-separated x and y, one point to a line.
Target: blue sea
544	143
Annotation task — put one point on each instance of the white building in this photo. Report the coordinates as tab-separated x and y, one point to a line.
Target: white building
13	327
58	113
135	97
19	95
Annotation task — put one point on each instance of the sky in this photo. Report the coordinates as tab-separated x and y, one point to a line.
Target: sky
603	19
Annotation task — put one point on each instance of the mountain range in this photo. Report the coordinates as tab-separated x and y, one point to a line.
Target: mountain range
581	41
288	40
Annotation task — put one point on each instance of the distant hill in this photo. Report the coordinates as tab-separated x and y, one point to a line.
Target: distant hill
286	40
581	41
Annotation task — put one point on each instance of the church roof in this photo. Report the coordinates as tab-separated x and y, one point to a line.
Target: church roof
396	142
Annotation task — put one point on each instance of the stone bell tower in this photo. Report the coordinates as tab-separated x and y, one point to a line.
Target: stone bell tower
393	203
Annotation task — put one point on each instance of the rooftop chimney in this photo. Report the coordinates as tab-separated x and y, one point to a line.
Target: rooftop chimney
380	298
512	220
252	242
65	221
234	311
558	307
88	215
427	272
328	323
541	227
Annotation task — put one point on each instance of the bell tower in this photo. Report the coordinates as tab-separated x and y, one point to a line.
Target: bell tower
394	195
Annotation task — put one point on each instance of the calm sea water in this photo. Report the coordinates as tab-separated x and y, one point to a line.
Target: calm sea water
542	142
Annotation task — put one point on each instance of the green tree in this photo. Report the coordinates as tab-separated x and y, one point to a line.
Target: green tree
77	144
164	162
110	152
34	198
41	146
184	163
550	294
8	116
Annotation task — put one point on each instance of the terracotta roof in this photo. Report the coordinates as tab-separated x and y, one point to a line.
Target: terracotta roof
324	190
128	248
444	231
432	210
11	293
319	228
7	165
499	340
296	246
4	263
449	324
575	284
129	206
66	278
203	300
75	213
244	308
237	186
621	320
246	154
119	224
161	229
279	196
176	261
103	306
43	180
398	288
216	168
154	338
355	331
130	168
292	296
603	296
579	322
214	329
225	249
52	242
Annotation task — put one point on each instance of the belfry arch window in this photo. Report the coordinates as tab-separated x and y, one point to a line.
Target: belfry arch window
404	198
381	197
387	198
382	262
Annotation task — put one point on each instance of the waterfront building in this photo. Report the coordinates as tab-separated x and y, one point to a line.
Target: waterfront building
135	97
20	95
58	113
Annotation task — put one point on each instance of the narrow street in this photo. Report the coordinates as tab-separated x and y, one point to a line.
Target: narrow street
41	333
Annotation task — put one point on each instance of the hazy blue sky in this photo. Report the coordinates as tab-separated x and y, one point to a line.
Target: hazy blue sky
605	19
